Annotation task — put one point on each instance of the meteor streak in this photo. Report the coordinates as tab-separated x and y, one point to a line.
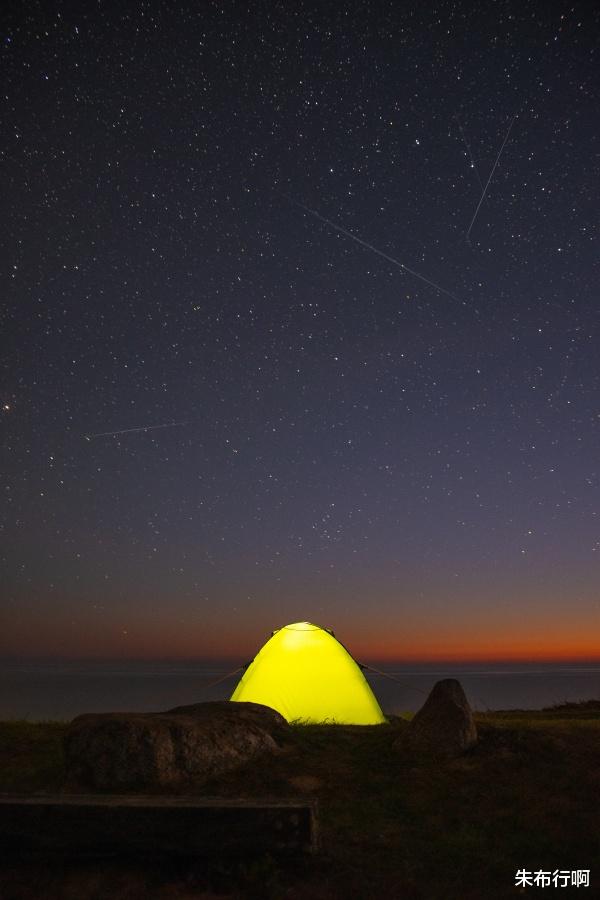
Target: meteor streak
487	184
89	437
358	240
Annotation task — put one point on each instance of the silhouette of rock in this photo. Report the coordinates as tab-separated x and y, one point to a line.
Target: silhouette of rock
444	725
117	751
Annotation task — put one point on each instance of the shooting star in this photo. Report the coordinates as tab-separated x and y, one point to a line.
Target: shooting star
89	437
358	240
484	192
468	146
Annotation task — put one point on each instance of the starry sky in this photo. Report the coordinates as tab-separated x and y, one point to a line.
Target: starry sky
300	321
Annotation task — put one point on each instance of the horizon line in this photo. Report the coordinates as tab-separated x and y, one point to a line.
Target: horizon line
383	660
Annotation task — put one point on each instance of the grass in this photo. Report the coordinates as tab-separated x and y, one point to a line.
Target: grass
31	755
392	825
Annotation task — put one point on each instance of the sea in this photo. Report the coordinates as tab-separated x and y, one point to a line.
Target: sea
44	691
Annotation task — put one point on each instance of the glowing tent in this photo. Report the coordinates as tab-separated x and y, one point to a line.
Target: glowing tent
305	673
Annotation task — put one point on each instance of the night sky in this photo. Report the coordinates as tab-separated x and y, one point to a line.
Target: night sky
340	260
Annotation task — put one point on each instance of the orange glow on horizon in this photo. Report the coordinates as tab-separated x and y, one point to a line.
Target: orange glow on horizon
243	648
486	651
416	641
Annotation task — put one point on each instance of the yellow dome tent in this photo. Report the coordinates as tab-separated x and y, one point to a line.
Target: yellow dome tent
305	673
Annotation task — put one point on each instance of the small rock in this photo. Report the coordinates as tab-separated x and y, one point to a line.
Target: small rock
444	725
117	751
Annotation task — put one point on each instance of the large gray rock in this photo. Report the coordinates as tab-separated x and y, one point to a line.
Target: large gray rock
444	725
116	751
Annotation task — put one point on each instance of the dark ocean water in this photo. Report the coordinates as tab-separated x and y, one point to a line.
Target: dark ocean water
39	691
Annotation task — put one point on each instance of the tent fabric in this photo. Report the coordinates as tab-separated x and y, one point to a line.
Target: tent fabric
306	674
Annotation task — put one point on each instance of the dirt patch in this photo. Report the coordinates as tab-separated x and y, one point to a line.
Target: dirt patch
306	784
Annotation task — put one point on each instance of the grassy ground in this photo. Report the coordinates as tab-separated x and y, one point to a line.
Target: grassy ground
392	825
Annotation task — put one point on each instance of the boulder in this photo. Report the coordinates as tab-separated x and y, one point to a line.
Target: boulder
444	725
119	751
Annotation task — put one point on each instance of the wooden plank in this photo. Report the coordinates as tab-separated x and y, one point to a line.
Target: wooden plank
198	826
